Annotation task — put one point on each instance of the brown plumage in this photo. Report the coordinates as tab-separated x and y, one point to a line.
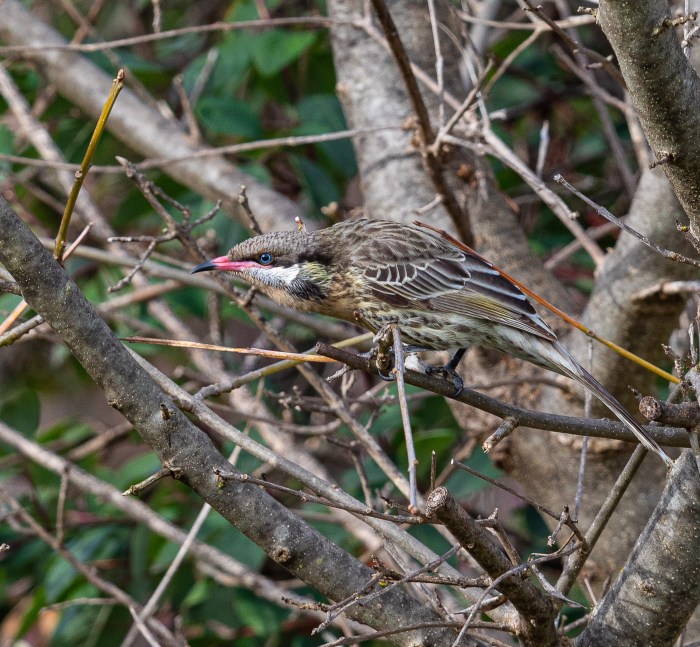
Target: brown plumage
373	272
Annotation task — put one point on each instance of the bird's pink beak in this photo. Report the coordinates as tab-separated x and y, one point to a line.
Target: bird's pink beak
223	263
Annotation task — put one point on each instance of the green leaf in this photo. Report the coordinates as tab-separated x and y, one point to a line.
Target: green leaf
257	614
320	185
228	116
69	432
198	594
7	141
274	50
133	471
321	114
31	615
94	543
322	109
233	64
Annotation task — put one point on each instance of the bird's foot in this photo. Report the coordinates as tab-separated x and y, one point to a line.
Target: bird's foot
447	371
383	370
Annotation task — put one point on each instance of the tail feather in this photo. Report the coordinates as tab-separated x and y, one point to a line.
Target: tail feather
581	375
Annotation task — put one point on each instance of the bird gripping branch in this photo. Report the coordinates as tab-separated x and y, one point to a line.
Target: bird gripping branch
375	272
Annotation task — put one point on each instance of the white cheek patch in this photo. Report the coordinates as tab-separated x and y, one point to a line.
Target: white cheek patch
277	274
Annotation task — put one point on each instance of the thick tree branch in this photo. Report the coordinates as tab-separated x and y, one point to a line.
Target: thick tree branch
659	587
664	88
533	604
685	414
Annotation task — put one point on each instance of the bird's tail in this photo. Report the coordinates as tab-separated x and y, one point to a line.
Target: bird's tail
574	370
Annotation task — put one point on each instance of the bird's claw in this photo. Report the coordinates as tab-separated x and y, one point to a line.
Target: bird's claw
449	373
371	355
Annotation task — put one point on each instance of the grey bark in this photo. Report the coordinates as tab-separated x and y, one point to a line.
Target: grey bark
664	87
659	587
640	326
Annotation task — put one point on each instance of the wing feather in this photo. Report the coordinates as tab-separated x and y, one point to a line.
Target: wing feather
456	282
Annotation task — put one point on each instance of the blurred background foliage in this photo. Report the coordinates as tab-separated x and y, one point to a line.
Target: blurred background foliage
259	85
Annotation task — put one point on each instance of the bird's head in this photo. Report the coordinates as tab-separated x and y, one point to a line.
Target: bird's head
285	265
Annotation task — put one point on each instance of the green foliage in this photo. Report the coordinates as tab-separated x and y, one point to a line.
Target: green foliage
227	116
6	146
275	49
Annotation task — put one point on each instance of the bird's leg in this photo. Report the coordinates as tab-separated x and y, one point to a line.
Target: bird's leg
383	352
373	357
449	370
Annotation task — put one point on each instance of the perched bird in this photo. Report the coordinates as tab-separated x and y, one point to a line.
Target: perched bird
374	272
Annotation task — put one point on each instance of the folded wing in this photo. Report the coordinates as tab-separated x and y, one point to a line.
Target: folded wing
456	283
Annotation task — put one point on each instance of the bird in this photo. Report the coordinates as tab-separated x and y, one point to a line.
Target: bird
375	272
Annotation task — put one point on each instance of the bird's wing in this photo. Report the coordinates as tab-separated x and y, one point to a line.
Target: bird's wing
456	283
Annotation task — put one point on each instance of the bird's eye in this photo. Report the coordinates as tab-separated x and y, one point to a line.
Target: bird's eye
265	258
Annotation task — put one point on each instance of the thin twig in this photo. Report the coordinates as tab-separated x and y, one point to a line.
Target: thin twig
160	162
542	148
609	131
493	145
595	233
538	506
604	61
305	497
573	21
439	61
260	352
398	372
602	211
505	429
61	507
360	598
514	571
222	26
587	407
373	635
595	427
459	113
80	174
140	626
575	563
245	205
508	60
